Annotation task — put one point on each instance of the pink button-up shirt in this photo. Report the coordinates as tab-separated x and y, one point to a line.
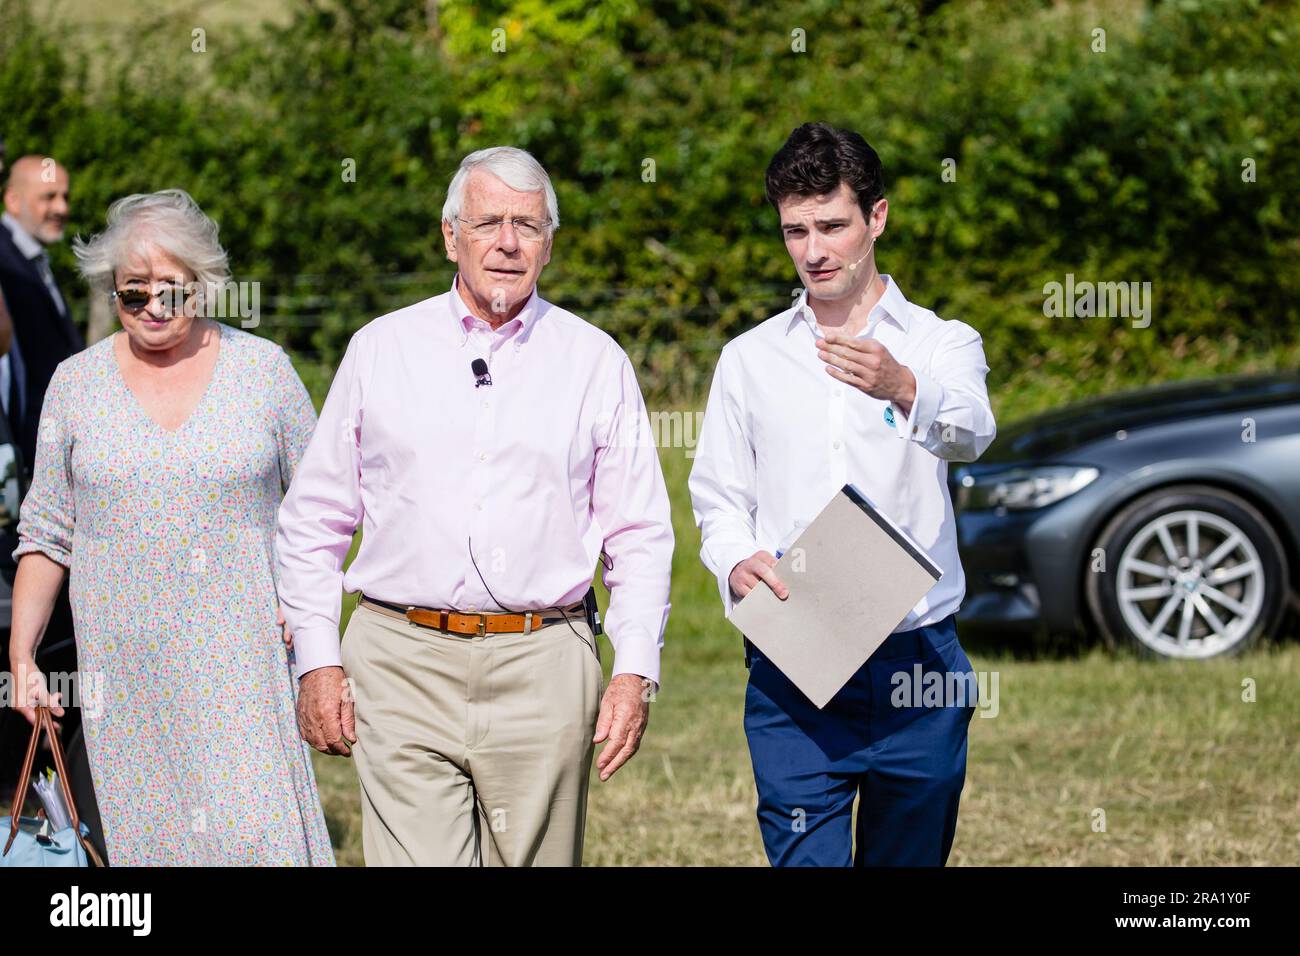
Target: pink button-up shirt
533	475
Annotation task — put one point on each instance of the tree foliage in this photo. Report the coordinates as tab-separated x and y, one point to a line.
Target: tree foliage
656	121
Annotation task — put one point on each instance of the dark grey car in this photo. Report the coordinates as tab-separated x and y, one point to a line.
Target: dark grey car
1166	518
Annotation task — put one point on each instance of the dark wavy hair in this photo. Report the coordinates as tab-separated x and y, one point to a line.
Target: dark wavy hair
817	158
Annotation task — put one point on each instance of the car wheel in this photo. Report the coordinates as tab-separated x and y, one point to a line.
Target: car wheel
1191	571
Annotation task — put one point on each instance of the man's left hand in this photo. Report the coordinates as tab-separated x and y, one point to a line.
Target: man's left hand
867	366
624	713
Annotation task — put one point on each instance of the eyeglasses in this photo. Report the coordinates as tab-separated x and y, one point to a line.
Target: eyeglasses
171	297
528	229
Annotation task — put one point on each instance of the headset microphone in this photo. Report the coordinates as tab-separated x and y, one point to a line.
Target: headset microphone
854	265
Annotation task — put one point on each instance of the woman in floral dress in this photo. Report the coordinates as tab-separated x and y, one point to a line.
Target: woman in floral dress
162	456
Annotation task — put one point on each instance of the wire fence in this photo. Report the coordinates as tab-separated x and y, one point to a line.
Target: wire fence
673	343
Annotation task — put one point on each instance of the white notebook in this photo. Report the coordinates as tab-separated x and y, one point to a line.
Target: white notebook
853	576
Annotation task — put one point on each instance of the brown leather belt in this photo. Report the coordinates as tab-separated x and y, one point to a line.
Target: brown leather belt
472	625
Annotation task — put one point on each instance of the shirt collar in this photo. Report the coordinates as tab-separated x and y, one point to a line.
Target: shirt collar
519	326
892	305
27	244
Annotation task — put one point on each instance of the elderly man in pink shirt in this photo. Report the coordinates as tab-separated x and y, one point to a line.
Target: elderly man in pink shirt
491	446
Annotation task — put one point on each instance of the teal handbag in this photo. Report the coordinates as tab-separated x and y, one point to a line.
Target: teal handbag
25	843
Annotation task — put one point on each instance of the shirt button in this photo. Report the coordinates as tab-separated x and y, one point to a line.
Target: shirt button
470	607
835	445
483	404
483	457
913	429
478	507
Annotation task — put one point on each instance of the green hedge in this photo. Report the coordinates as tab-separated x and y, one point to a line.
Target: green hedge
1123	165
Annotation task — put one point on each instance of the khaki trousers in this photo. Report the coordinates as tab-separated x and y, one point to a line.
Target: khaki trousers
472	751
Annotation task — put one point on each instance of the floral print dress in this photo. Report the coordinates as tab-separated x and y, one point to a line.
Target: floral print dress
187	695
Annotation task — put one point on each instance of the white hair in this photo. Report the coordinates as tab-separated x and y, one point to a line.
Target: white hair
169	219
515	167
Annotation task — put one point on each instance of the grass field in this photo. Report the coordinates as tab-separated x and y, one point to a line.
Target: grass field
1185	771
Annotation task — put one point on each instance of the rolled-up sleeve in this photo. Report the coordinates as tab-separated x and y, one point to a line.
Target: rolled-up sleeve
951	416
724	479
318	517
48	513
630	504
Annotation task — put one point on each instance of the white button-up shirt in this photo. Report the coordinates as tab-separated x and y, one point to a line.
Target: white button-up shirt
781	437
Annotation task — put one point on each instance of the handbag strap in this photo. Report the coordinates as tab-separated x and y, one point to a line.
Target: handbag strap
45	722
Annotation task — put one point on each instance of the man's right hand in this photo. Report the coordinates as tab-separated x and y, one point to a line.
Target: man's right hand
754	569
326	718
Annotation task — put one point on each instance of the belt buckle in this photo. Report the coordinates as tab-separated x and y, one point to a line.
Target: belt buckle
482	625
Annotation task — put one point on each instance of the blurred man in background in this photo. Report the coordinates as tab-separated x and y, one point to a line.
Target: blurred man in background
35	214
6	324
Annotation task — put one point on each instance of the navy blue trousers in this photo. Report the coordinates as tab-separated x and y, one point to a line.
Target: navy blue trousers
881	739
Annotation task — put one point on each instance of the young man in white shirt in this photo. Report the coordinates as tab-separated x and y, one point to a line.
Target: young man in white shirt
854	384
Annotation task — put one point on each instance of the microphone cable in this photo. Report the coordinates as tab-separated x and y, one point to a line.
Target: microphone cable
469	543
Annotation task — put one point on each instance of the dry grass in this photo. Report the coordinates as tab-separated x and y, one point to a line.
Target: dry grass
1186	772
